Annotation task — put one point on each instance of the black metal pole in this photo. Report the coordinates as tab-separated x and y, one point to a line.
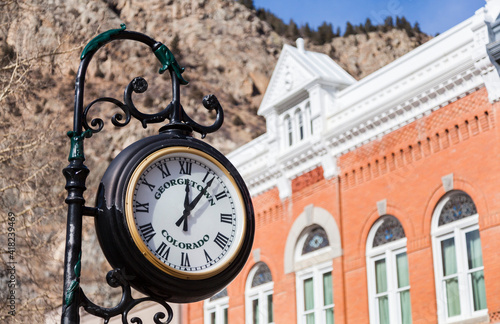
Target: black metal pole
76	173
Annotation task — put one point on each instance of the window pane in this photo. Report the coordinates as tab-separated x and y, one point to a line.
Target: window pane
448	256
327	289
290	132
459	206
474	253
310	318
315	240
225	316
301	125
262	275
478	290
452	297
212	318
381	276
402	269
270	316
308	294
329	316
390	230
405	301
255	311
383	310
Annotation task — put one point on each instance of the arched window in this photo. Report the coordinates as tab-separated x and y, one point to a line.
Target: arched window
314	284
216	308
289	130
309	117
458	259
387	271
259	295
300	124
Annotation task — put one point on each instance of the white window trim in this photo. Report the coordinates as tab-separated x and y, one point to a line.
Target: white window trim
259	292
456	229
218	306
316	272
388	252
292	115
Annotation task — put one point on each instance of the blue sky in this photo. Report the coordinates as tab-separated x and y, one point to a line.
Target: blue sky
434	16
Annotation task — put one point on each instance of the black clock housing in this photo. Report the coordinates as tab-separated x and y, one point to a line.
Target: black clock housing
116	239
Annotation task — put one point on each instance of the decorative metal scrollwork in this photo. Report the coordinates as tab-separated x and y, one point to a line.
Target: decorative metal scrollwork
115	279
179	120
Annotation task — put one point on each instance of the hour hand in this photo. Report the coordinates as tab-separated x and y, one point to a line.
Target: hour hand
186	212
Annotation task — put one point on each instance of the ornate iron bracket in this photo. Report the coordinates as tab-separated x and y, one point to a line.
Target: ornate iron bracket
76	172
179	120
116	279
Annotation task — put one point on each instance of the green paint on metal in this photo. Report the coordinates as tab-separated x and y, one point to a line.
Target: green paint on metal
168	61
70	294
76	150
99	39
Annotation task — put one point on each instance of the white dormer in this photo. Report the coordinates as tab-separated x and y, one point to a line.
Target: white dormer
302	86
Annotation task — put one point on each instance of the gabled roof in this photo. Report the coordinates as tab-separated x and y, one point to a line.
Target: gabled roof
297	68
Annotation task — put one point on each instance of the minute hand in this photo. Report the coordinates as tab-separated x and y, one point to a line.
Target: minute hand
201	194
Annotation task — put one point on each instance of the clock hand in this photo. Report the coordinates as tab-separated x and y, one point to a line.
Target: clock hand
189	207
186	211
202	192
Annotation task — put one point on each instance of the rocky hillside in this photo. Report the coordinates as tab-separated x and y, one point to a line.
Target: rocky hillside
226	50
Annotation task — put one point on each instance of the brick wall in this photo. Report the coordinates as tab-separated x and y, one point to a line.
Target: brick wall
404	168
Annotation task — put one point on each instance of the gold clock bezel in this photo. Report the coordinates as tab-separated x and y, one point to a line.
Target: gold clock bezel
139	243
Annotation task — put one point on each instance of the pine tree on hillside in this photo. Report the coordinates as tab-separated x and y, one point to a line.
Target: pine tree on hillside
247	3
388	24
369	26
292	31
305	31
324	34
337	33
349	29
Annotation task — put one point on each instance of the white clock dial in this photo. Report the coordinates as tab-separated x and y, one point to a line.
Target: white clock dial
185	212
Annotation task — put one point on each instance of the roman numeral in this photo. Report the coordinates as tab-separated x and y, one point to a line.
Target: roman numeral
151	187
163	250
147	231
185	260
206	176
226	218
141	208
221	240
221	195
207	257
164	170
185	167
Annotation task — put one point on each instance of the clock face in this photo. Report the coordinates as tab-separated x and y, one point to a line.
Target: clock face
185	212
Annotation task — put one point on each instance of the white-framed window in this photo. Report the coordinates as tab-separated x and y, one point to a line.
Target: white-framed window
299	118
289	130
259	295
387	271
314	284
216	308
458	260
297	124
309	118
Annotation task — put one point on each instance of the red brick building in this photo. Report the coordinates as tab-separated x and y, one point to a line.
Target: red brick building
376	201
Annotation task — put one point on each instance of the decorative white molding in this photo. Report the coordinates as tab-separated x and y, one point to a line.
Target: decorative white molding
311	215
256	255
447	182
382	207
